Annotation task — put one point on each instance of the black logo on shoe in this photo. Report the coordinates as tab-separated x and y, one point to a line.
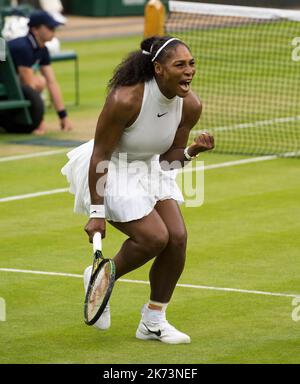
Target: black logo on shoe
157	333
161	114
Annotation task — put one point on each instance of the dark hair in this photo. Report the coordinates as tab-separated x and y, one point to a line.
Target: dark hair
138	67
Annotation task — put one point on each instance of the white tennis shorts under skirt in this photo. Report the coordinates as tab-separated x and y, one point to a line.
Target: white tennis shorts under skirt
132	187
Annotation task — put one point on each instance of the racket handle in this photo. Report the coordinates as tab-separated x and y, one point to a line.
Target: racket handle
97	242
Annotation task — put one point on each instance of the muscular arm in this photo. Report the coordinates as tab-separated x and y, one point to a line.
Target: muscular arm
120	111
111	123
192	109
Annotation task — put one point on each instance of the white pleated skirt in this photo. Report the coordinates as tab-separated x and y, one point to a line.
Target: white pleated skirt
132	187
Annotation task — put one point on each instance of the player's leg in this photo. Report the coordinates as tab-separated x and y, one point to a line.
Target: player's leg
169	264
147	237
164	274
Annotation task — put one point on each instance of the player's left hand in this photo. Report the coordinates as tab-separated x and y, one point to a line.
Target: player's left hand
204	142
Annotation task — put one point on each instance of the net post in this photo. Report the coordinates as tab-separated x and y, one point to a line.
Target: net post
154	19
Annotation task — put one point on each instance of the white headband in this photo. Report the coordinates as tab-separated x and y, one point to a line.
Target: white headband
162	47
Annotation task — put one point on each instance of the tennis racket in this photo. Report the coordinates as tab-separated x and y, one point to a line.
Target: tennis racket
100	285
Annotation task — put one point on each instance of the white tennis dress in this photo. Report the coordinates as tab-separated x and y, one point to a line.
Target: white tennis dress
135	180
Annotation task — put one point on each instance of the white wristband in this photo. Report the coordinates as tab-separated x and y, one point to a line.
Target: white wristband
187	156
97	212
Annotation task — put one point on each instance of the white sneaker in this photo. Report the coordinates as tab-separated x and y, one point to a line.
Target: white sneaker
104	320
158	328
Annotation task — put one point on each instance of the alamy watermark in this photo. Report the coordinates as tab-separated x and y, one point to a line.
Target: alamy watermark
296	310
2	309
2	49
152	178
296	50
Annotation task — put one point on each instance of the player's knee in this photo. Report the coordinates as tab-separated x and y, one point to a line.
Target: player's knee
161	241
156	242
178	239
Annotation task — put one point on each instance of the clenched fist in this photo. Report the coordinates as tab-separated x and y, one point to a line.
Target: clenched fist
204	142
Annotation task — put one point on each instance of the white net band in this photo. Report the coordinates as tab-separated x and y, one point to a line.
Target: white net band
233	11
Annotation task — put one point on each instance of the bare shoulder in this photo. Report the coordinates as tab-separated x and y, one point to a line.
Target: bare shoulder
192	104
191	112
127	97
119	111
125	102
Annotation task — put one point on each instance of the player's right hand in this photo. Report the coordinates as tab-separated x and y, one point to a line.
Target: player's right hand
93	226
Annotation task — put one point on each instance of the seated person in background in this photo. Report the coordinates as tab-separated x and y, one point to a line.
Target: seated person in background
30	50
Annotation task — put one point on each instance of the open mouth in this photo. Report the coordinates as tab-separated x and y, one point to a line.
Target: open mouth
185	85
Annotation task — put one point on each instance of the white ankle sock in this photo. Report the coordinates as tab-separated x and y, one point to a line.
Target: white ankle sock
155	315
163	306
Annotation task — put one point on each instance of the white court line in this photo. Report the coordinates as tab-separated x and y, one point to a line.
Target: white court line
240	162
31	155
61	274
36	194
230	163
188	169
255	124
259	123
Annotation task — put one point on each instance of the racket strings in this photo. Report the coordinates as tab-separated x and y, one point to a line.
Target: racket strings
99	289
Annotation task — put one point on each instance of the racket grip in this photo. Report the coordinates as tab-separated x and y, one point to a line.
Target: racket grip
97	242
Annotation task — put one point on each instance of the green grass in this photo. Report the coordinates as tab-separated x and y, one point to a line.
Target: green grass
245	236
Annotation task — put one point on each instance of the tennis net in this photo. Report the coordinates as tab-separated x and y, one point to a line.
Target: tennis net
248	62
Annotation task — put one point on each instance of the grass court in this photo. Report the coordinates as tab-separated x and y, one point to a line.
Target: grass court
245	238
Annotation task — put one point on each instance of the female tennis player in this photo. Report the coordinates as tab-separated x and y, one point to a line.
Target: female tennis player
146	120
